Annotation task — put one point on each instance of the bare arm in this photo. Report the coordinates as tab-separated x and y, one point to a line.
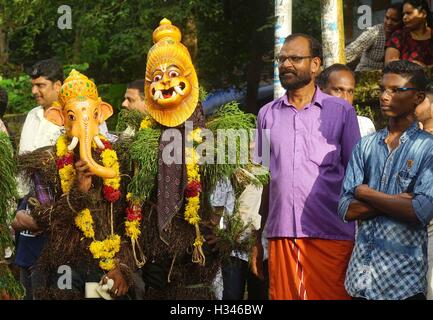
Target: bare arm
24	221
359	210
391	54
257	250
264	208
395	206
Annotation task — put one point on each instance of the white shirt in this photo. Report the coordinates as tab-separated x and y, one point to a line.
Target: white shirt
366	126
249	205
38	132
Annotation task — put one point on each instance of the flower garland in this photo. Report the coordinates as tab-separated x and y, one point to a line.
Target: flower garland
132	228
107	249
147	122
192	193
67	173
133	212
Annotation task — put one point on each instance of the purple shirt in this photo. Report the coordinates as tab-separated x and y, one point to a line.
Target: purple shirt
309	151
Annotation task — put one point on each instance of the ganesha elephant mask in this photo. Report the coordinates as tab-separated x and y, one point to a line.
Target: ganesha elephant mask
81	119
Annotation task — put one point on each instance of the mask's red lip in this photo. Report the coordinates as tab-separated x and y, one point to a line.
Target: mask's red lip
167	93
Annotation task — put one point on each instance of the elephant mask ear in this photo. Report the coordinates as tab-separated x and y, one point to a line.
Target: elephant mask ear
54	114
106	111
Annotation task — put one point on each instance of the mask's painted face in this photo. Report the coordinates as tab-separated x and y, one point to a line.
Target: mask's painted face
81	111
171	87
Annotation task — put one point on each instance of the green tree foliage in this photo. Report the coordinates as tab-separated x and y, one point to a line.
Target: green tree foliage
231	41
115	36
306	18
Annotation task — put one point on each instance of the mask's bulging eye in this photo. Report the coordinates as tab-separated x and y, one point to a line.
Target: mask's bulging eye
157	78
173	74
71	117
95	114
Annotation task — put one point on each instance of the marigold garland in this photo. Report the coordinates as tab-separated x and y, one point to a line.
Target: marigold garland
192	194
147	122
104	250
133	212
132	227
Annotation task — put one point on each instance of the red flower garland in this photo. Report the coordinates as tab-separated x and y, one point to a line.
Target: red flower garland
111	194
133	213
193	189
64	161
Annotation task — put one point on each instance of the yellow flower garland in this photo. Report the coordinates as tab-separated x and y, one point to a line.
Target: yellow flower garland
67	173
107	249
192	206
147	122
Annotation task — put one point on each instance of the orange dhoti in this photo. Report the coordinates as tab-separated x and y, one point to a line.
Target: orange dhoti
308	269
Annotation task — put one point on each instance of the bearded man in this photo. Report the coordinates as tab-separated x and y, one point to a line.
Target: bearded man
311	139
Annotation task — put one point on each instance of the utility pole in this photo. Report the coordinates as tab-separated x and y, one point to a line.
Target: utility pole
332	32
283	28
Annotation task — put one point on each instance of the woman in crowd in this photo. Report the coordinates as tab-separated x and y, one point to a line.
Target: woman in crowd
415	41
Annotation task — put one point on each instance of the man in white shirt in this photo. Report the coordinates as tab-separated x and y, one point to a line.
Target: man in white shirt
339	81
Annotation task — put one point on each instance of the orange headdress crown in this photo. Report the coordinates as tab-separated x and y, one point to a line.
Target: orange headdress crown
171	87
77	87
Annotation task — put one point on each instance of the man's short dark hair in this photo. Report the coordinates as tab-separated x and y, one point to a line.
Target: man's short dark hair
315	45
137	84
3	101
323	79
413	72
49	68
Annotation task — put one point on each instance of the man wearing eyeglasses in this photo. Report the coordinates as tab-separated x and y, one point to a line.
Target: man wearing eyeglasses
311	138
388	189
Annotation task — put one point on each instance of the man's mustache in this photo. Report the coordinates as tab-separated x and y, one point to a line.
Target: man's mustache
285	72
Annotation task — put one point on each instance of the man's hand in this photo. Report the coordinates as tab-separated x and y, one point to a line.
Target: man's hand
120	286
361	191
24	221
257	259
209	235
419	63
406	195
84	176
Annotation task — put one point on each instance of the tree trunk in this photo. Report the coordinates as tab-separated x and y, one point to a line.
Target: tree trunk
190	37
4	56
332	32
257	51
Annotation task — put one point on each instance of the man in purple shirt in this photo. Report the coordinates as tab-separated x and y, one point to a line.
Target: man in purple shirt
311	136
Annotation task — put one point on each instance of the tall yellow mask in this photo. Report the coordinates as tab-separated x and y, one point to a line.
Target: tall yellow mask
171	87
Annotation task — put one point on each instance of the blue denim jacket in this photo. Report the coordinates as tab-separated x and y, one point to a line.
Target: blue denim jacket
389	260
